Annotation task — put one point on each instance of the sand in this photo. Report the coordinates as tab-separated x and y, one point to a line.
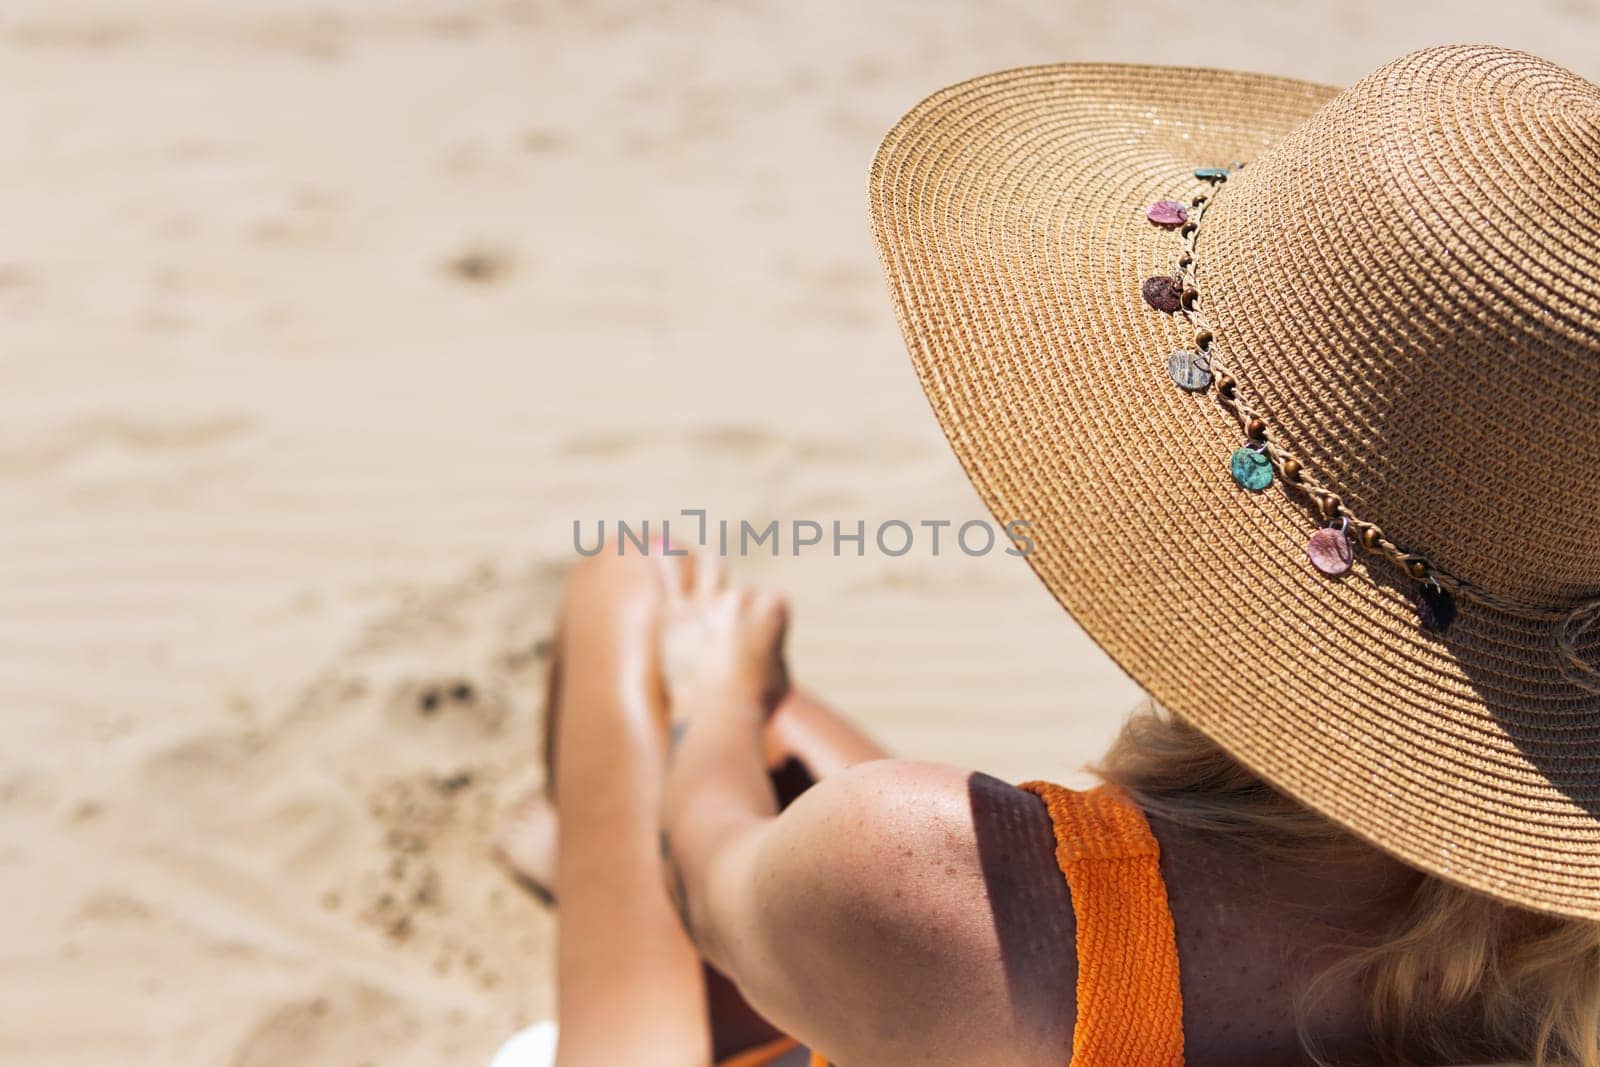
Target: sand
323	322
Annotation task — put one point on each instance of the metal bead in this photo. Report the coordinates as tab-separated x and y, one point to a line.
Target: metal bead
1370	536
1329	504
1190	295
1226	386
1202	339
1417	569
1256	430
1291	469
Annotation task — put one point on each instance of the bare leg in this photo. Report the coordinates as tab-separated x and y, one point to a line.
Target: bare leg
630	981
631	987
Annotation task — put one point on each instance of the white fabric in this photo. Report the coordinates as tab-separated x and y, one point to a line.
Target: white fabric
533	1047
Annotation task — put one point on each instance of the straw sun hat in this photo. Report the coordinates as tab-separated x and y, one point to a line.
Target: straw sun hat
1387	300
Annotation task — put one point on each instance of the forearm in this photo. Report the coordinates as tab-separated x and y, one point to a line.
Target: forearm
717	796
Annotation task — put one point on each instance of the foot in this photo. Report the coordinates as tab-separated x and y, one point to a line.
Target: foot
526	844
720	643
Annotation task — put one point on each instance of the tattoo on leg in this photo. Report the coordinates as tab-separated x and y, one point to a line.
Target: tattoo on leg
676	892
675	735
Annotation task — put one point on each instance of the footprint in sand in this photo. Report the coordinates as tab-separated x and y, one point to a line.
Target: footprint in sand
349	1023
364	808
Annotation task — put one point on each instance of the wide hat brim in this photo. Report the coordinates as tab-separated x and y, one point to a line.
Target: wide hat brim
1009	215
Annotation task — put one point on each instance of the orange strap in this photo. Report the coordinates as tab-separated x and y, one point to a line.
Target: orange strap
1130	1009
762	1055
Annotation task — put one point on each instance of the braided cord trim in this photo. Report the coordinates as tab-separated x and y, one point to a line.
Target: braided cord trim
1572	618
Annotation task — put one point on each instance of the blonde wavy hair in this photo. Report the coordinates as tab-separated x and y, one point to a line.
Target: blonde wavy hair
1534	980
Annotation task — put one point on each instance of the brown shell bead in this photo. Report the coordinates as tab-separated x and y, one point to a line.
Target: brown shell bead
1162	293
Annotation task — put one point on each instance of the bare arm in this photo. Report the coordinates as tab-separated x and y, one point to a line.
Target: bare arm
718	804
878	916
723	664
871	920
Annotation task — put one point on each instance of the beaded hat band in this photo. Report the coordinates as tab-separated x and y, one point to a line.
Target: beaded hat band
1253	465
1339	507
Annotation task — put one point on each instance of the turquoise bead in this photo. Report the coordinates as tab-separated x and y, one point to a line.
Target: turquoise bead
1211	174
1251	469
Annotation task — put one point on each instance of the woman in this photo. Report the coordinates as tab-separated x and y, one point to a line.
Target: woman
1309	448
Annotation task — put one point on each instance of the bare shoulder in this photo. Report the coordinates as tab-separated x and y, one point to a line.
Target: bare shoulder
912	912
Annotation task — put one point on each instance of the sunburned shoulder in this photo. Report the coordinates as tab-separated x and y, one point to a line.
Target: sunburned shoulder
912	912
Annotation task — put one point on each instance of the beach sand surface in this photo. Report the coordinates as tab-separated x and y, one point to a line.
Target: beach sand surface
323	323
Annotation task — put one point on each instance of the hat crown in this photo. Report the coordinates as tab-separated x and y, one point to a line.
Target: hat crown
1407	288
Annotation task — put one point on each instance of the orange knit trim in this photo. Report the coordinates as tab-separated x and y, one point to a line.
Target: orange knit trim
763	1054
1130	1007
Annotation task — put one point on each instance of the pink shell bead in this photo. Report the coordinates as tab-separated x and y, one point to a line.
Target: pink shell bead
1330	552
1168	213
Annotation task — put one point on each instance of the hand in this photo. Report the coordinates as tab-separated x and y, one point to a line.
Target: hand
721	646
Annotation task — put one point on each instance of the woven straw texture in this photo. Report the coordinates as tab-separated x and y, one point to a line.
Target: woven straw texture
1402	282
